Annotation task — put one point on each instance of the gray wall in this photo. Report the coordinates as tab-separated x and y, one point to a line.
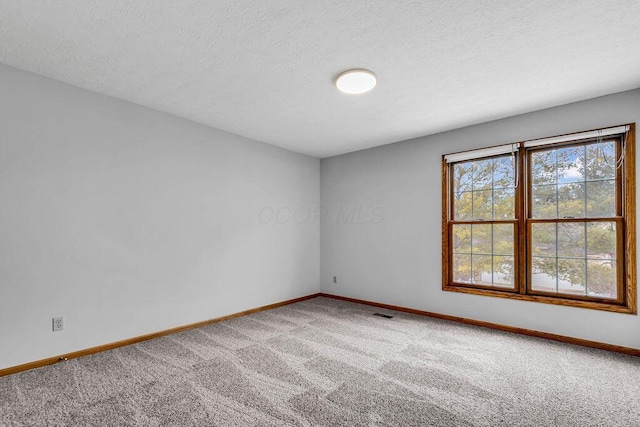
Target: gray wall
128	221
381	235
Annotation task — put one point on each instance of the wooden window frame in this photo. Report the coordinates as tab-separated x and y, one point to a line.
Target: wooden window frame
626	245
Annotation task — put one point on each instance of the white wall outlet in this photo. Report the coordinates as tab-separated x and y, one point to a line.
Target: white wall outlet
335	279
58	324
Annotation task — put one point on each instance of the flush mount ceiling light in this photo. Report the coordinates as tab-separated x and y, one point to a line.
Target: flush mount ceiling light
356	81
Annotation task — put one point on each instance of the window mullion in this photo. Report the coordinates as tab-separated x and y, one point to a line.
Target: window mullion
586	238
522	199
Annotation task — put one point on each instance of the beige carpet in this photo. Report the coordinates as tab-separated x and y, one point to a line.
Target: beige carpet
333	363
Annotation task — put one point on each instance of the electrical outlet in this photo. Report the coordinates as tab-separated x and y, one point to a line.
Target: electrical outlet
58	324
335	279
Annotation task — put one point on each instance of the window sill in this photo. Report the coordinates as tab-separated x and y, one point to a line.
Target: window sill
546	300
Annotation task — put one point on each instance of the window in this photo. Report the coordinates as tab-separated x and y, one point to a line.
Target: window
550	220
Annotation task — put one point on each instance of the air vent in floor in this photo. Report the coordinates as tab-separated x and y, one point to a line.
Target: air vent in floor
386	316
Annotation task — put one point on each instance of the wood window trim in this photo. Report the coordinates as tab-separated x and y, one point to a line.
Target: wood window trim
628	304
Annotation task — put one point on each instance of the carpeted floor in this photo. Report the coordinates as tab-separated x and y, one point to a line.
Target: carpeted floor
333	363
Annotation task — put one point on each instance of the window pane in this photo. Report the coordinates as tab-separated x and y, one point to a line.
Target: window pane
462	238
586	184
462	268
484	189
601	160
482	269
544	201
543	167
481	240
571	200
543	240
570	164
482	204
571	239
462	206
543	274
503	239
504	203
601	240
602	260
482	174
586	262
491	258
462	177
503	172
503	271
571	276
601	198
601	279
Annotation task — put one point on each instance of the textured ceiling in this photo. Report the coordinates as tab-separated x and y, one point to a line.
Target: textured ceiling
264	69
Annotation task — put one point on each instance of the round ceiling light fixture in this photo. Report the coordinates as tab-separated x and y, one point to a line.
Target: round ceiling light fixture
356	81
